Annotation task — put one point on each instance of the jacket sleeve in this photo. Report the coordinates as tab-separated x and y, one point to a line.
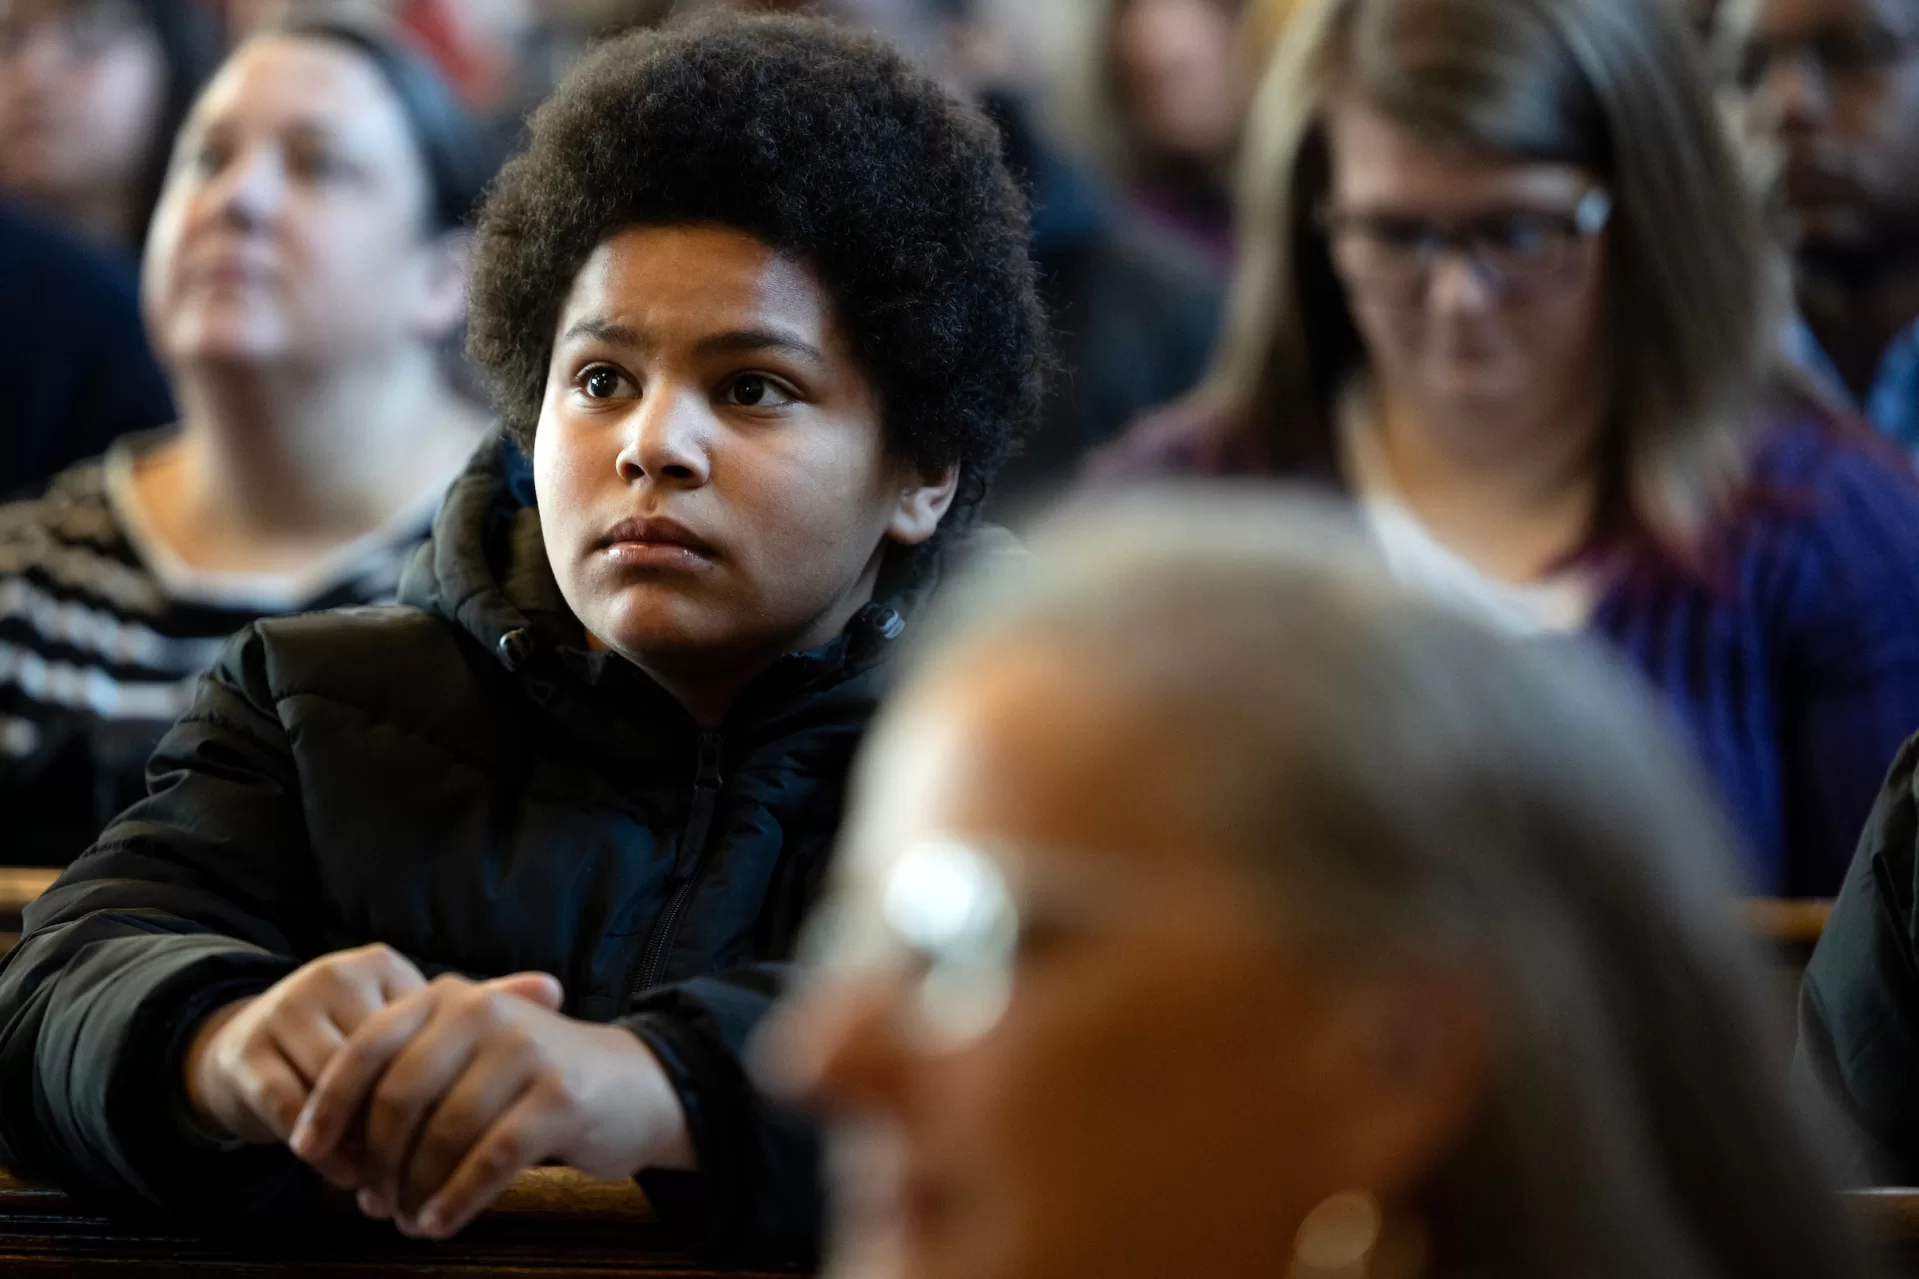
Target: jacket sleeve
758	1189
1858	1051
199	894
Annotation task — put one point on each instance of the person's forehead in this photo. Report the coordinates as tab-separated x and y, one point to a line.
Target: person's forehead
1376	158
278	82
646	276
1034	745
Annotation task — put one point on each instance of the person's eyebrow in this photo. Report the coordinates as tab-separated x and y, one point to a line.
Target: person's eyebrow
742	341
607	331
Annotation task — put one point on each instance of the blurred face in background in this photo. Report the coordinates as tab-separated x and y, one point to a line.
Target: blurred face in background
1176	66
292	229
1477	282
1832	102
1124	1067
82	85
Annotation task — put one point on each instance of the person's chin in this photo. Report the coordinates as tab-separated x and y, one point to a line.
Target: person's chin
658	618
1824	229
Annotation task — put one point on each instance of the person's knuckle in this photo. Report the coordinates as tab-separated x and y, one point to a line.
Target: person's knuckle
501	1158
389	1107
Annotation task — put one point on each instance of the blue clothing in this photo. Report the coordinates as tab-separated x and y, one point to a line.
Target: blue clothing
1893	403
1793	665
1797	669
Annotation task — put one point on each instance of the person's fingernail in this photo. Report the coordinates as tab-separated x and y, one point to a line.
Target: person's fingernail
432	1220
302	1138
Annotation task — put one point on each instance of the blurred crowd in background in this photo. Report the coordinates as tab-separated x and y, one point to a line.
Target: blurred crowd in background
1610	326
1125	118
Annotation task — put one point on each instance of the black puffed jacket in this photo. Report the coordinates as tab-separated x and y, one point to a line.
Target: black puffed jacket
460	778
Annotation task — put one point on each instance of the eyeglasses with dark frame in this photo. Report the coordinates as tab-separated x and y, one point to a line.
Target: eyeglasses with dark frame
1518	253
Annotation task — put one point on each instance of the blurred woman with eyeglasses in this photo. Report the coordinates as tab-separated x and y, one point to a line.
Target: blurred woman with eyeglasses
91	95
1212	905
1505	284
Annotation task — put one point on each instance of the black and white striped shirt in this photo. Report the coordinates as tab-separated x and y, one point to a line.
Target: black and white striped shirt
103	637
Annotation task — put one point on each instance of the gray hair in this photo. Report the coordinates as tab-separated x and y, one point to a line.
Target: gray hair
1406	776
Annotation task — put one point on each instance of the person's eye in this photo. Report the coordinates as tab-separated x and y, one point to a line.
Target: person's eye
1521	237
1402	235
204	157
757	391
602	382
315	164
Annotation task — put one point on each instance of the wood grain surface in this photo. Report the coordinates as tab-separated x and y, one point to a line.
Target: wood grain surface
553	1222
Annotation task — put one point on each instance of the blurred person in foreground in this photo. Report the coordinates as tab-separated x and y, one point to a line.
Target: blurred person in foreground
1828	92
757	307
92	93
1135	310
1212	904
1505	285
1162	88
306	269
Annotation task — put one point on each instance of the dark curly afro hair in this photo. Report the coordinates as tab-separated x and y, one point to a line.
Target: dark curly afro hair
830	147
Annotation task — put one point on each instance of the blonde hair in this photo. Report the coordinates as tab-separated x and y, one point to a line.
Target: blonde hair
1618	86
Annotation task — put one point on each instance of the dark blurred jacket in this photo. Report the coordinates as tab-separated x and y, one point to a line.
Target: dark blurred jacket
1135	310
1859	1004
75	371
460	778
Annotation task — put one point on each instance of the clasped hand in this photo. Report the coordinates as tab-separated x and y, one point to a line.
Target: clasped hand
428	1097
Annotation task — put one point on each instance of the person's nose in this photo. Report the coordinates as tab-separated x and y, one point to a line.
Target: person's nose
1458	285
1795	96
250	190
835	1046
668	438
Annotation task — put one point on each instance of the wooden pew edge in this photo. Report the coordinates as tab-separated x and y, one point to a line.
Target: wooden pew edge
555	1194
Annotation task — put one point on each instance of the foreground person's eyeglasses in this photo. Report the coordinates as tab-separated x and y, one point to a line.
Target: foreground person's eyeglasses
942	914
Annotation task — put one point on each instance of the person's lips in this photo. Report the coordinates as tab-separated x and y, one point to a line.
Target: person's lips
1810	182
655	542
229	270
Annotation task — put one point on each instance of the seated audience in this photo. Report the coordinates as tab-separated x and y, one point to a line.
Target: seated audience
1830	97
91	95
1859	1003
758	308
1212	905
1163	97
305	273
68	311
1512	294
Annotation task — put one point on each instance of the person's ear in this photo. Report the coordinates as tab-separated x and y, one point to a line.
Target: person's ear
925	496
1419	1048
442	304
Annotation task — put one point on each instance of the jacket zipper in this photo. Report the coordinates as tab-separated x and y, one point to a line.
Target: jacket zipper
688	865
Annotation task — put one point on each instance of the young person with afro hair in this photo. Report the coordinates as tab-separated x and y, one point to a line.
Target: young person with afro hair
422	896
